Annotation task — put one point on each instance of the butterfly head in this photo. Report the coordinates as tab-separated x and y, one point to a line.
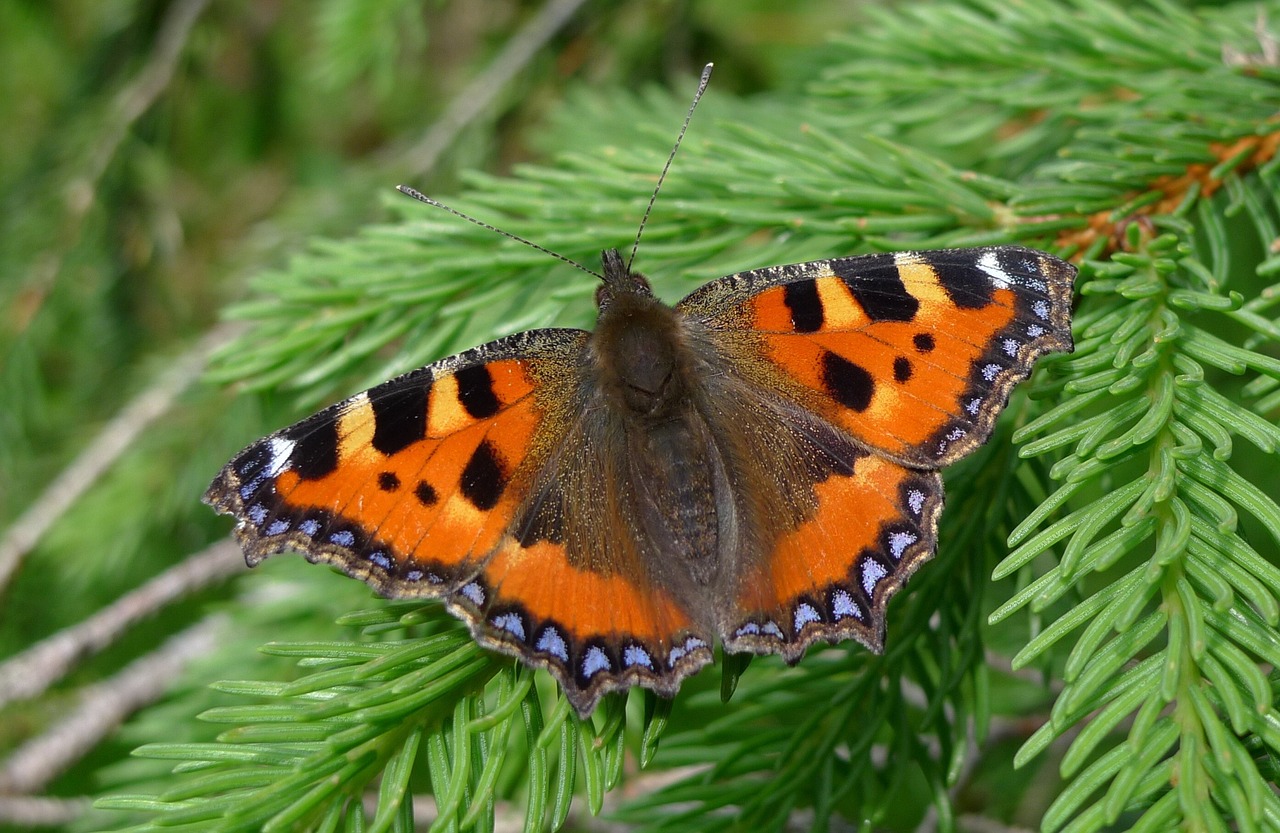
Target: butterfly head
619	280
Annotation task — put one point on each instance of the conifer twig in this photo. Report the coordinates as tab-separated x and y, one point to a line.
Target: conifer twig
102	708
106	448
24	812
135	99
480	92
29	673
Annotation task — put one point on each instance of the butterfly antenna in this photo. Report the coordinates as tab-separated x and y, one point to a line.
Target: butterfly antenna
702	86
421	197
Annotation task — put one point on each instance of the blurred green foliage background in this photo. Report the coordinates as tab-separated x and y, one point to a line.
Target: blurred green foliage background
161	162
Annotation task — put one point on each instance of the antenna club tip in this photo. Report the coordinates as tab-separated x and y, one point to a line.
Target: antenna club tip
416	194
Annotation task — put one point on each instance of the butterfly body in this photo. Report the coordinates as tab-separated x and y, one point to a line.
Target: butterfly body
756	466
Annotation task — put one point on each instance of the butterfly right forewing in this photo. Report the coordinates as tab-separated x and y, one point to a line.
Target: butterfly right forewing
912	353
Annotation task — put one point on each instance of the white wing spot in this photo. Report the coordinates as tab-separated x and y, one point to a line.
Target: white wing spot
1010	347
746	630
843	606
872	572
281	451
257	513
990	372
343	538
309	527
634	655
974	405
551	642
474	592
595	661
1035	331
805	614
772	629
1041	310
413	575
915	500
278	527
380	558
899	541
990	264
511	623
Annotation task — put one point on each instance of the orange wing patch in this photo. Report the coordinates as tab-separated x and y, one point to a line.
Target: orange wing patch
831	577
409	486
913	353
595	632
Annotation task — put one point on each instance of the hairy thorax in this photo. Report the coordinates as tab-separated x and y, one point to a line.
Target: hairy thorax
647	379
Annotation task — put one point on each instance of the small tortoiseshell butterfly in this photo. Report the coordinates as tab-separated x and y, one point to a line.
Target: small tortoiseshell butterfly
755	466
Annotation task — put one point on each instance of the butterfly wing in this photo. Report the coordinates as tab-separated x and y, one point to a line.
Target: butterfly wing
913	353
475	480
830	577
411	484
912	356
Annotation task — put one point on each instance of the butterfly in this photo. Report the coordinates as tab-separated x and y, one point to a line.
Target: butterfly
755	467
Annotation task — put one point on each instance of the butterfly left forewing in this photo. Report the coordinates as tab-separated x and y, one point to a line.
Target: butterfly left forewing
411	484
478	480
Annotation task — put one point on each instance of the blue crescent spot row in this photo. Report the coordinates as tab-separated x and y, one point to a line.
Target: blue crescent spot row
841	600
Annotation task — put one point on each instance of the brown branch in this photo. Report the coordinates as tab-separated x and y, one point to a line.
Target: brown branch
103	707
27	811
128	106
480	93
1173	190
112	441
136	99
29	673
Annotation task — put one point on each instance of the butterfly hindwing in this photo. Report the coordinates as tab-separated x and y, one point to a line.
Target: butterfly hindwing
595	630
912	353
831	577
